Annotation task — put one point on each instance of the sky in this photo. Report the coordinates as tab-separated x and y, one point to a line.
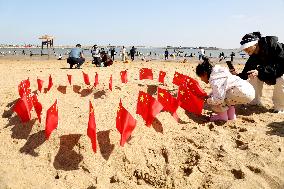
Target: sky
156	23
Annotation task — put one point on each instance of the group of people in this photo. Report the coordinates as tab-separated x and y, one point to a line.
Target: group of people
229	88
100	57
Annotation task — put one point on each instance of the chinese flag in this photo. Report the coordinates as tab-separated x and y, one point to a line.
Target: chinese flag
179	79
69	78
91	131
125	123
169	102
39	84
123	75
24	88
96	80
51	119
110	83
86	78
37	106
189	101
148	107
50	83
162	76
195	88
22	109
146	73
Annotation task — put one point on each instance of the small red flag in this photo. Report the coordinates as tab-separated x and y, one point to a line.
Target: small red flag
24	88
96	79
195	88
190	101
69	79
110	83
146	73
125	123
148	107
123	76
169	102
179	79
39	84
50	83
91	131
51	120
22	109
37	106
86	78
162	77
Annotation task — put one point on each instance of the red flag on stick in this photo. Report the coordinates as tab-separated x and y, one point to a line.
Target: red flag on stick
148	107
195	88
162	76
86	78
146	73
38	107
39	84
190	101
125	124
110	83
24	88
69	79
96	80
169	102
51	120
50	83
22	109
123	76
91	131
179	79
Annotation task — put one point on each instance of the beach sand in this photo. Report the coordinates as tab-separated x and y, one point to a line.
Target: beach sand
245	153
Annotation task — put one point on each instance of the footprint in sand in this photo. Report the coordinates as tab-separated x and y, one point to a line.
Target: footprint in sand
241	145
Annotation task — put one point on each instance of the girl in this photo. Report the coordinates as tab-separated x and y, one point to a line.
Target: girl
227	90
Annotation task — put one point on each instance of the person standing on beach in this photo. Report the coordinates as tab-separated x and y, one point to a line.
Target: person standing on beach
76	56
265	65
132	53
201	53
112	53
232	56
96	56
166	54
123	54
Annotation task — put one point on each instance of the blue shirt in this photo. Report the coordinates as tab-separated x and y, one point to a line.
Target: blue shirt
75	52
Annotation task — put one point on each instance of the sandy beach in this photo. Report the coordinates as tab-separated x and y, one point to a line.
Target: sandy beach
194	153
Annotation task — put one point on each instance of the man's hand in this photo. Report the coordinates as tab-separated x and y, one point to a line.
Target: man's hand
252	74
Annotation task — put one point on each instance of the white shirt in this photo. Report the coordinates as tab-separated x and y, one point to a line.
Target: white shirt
221	80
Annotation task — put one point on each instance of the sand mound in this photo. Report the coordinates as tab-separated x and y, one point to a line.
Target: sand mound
246	153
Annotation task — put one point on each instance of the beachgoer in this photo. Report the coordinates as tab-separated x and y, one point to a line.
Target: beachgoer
96	54
112	53
106	59
76	56
166	54
232	56
59	57
201	53
123	54
265	65
227	90
132	53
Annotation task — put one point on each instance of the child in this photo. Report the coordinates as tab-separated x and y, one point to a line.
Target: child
227	90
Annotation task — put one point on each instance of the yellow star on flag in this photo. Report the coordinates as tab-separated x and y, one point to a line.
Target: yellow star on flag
161	94
141	98
182	92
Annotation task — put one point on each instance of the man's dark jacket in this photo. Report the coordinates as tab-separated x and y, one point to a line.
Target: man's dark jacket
269	61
